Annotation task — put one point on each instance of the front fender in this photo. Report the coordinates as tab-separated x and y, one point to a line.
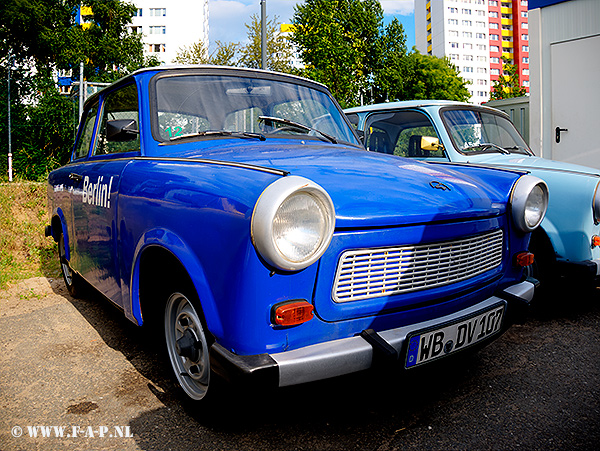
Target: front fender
168	240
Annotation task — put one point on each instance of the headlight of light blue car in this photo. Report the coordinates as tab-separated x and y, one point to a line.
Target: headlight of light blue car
292	223
529	202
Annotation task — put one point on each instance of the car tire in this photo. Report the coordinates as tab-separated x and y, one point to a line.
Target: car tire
187	345
72	280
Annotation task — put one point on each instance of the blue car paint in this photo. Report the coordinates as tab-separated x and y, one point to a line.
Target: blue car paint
569	223
195	199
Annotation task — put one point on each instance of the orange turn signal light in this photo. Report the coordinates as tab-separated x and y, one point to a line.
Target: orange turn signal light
525	259
595	241
292	313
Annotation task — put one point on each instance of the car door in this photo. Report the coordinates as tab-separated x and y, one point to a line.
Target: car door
95	210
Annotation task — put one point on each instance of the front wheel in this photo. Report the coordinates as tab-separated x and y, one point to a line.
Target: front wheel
187	346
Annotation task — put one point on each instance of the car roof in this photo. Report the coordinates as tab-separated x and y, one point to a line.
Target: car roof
414	104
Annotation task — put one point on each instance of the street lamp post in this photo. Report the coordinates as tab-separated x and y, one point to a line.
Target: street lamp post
263	34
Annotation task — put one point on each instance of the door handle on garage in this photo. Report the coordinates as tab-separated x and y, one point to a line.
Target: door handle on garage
75	177
558	130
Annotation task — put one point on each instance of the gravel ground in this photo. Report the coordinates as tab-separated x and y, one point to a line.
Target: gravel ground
78	363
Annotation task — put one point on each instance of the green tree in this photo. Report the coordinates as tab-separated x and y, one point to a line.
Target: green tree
430	77
507	85
338	41
390	76
197	53
279	50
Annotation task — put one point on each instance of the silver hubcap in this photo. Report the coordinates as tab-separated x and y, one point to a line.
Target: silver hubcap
187	346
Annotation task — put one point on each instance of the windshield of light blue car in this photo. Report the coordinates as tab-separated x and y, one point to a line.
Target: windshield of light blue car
196	106
474	131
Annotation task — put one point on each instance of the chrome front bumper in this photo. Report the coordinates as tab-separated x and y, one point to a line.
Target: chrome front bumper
343	356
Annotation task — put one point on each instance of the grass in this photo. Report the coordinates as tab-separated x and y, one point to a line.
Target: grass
24	250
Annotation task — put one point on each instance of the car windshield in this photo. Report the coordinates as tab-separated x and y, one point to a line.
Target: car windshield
195	106
476	131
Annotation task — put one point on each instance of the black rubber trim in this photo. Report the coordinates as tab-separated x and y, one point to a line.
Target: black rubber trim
518	308
382	350
259	370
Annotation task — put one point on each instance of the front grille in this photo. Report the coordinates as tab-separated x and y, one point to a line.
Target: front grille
371	273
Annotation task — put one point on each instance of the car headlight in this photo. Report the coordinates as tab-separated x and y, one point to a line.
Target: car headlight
529	202
292	223
596	204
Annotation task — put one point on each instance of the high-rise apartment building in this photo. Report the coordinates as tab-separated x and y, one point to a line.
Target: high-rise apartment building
167	26
475	35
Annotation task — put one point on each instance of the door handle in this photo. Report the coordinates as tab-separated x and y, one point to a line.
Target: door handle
558	130
75	177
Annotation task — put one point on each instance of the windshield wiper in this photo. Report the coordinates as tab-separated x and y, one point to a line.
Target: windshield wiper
296	125
486	146
220	133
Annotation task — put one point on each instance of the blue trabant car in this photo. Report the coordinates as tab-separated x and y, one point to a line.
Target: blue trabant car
237	211
567	244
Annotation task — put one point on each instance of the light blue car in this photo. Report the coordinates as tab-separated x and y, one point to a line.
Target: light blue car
567	243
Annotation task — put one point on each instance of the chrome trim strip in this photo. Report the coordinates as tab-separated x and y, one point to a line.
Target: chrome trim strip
348	355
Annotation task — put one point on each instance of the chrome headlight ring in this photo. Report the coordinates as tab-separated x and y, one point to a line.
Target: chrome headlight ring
529	202
596	204
292	223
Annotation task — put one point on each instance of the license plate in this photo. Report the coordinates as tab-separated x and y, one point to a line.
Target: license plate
429	345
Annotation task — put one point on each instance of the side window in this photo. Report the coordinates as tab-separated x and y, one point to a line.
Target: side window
87	133
353	118
119	112
403	133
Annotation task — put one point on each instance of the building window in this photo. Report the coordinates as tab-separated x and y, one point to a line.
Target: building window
523	2
138	13
482	59
506	5
158	29
482	82
482	93
480	2
507	16
525	48
494	48
494	25
507	39
453	10
467	69
495	71
480	35
467	23
494	37
467	34
468	46
524	25
454	45
526	59
524	14
466	11
157	48
136	29
453	56
452	21
525	71
480	24
452	33
481	47
158	12
493	3
482	70
525	37
468	58
494	14
480	13
526	83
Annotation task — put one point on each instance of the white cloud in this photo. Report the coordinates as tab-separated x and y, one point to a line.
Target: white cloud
402	7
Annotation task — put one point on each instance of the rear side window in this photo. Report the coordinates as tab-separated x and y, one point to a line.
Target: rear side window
402	133
82	147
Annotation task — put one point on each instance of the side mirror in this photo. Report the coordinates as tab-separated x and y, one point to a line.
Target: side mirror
430	143
121	130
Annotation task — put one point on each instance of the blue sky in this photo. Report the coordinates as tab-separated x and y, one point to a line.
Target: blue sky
228	17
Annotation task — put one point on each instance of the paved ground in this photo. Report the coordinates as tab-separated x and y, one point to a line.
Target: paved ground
79	364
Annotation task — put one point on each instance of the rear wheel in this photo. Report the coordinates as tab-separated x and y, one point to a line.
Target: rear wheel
187	345
72	281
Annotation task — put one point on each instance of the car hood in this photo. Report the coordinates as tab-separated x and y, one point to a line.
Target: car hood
375	190
533	163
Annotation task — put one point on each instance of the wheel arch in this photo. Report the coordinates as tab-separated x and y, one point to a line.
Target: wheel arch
162	256
58	224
